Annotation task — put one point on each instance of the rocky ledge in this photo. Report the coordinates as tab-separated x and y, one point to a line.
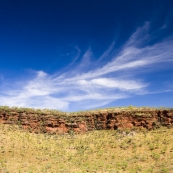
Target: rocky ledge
80	122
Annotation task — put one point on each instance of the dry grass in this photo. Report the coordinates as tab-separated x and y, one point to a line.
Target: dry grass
61	113
96	151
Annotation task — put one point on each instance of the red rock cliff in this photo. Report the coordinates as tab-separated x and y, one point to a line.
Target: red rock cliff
41	122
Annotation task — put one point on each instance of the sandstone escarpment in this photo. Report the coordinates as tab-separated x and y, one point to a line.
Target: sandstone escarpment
80	122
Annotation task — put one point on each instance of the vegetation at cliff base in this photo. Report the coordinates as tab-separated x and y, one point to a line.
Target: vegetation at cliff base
96	151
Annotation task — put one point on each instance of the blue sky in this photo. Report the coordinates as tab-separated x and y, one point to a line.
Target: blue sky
85	54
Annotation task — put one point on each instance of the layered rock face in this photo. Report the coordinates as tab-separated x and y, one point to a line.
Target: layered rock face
40	122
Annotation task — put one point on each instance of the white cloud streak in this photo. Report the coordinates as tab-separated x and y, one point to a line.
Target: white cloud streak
84	87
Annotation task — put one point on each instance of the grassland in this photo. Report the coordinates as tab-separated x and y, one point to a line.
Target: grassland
96	151
99	110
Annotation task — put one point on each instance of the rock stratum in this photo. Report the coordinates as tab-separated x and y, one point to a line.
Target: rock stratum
58	122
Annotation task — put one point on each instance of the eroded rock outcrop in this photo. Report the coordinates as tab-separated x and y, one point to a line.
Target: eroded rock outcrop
41	122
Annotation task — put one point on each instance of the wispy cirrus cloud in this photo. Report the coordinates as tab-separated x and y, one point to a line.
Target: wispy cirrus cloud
92	84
